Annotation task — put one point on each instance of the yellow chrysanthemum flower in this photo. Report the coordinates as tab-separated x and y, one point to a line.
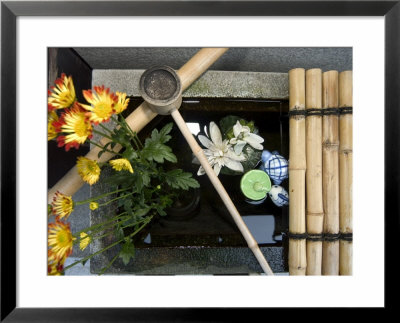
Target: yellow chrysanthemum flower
60	240
102	104
85	240
93	205
76	124
62	95
88	169
62	205
51	130
122	102
121	164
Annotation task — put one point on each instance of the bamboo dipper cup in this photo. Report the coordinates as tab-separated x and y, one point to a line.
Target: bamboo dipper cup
162	91
297	171
330	173
71	182
346	174
315	211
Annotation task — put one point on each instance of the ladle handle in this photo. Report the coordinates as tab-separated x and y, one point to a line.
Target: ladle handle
198	152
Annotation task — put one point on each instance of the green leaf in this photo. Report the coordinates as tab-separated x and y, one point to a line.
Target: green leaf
122	178
154	148
127	252
119	233
145	179
160	210
164	137
177	178
253	156
140	212
128	206
226	125
157	151
130	153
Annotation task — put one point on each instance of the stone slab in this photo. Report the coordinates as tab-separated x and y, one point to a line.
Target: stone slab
192	261
212	84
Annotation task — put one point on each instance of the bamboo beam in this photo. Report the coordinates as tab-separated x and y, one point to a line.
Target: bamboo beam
297	170
199	153
71	182
346	173
315	212
330	173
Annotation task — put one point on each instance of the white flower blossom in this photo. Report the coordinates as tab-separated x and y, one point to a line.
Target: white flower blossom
243	136
219	153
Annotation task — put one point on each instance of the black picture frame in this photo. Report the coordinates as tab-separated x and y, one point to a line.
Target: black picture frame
10	10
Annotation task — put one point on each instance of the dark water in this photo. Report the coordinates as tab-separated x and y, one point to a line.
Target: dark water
200	218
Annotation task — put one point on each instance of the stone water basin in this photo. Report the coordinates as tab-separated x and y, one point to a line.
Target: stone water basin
198	235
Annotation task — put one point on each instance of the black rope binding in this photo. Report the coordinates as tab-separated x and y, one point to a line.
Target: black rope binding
321	112
346	236
315	237
314	112
330	111
293	113
346	110
297	236
330	237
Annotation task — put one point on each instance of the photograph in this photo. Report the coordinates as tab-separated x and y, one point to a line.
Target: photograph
167	161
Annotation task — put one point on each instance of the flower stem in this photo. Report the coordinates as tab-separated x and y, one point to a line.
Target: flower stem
91	228
147	220
102	134
100	196
105	128
102	271
102	147
117	198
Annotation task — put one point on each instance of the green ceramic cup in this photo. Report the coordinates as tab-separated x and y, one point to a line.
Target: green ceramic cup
255	184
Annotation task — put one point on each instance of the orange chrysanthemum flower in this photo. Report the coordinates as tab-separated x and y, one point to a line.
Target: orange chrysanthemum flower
76	125
62	95
122	102
55	267
62	205
102	104
52	132
88	169
59	240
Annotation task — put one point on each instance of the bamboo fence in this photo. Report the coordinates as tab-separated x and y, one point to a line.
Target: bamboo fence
315	212
320	172
297	171
330	172
346	174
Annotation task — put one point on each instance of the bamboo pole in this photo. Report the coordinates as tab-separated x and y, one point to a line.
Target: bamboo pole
71	182
297	170
330	174
315	212
198	152
346	173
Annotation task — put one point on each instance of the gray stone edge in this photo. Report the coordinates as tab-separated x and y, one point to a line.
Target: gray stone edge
212	84
193	261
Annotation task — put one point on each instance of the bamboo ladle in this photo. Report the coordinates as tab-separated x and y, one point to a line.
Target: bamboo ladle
161	89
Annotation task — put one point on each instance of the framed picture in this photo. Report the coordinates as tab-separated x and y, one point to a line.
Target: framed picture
178	24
